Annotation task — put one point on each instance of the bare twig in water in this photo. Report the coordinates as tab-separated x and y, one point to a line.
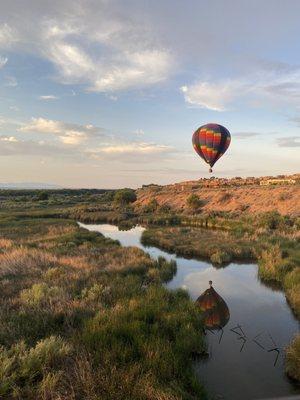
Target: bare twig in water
222	332
240	328
244	341
277	355
272	340
233	330
258	344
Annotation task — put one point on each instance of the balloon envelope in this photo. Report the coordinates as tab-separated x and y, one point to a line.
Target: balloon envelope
211	141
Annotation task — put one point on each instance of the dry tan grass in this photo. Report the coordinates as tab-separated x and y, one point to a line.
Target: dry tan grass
5	243
128	258
76	262
24	261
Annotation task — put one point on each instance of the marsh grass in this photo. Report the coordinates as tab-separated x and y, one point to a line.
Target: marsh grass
218	246
82	317
293	359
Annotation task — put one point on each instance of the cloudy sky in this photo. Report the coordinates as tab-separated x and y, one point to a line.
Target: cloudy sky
105	93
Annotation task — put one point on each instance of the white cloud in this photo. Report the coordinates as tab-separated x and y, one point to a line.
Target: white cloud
139	132
3	61
73	137
14	108
135	148
213	96
8	36
245	135
290	141
73	64
11	81
69	134
137	69
43	125
48	97
11	146
271	85
11	139
100	47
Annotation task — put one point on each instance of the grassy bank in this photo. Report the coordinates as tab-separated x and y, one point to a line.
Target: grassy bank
214	245
82	317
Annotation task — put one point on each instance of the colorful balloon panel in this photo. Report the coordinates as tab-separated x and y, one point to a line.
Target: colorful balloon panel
210	141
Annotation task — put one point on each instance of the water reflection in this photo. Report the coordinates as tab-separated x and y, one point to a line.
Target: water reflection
215	310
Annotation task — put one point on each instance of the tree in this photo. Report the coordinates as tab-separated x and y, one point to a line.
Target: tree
42	196
193	202
124	196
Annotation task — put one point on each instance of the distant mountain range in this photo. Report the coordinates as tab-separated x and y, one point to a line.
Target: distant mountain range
28	185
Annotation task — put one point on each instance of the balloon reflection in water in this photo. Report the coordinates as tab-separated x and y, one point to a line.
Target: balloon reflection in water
215	311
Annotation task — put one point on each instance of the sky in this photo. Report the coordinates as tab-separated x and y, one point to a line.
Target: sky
107	93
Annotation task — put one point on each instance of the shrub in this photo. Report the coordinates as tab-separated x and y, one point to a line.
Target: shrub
224	197
220	257
193	202
165	209
292	365
124	196
42	294
42	196
292	289
272	265
24	368
95	293
151	206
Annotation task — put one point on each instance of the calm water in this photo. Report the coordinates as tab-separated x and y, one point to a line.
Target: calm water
237	368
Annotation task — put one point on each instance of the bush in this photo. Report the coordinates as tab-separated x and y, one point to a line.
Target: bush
193	202
292	365
42	196
165	209
220	257
292	289
151	206
124	197
272	264
42	294
24	368
224	197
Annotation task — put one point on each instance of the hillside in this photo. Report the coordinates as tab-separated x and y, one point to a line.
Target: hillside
253	195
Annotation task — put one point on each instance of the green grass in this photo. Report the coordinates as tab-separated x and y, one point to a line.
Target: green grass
215	245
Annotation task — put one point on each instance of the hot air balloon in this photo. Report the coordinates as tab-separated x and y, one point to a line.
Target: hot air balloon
215	310
211	141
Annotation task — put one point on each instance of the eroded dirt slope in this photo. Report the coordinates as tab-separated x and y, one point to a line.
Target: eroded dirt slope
248	198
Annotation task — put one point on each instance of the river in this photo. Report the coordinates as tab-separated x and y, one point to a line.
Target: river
240	364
